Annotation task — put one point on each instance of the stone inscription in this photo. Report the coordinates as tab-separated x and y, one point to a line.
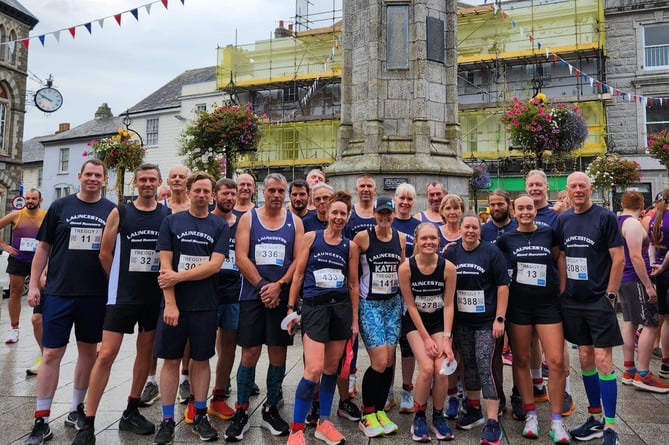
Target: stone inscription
397	37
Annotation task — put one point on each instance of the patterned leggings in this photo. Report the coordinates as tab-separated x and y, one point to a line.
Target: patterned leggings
479	352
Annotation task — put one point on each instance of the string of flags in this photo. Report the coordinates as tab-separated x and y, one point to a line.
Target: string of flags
72	30
602	87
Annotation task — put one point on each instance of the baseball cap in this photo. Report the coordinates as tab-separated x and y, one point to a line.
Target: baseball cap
658	197
384	203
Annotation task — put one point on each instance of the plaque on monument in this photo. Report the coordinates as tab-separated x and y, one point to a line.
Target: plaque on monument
397	37
393	183
435	39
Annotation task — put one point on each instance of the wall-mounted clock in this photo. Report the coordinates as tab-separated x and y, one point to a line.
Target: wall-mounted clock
48	99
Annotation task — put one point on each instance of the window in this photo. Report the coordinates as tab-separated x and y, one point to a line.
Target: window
199	108
656	46
152	131
62	190
63	160
40	173
4	119
657	116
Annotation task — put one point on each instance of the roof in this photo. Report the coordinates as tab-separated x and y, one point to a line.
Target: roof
33	150
19	12
89	130
168	96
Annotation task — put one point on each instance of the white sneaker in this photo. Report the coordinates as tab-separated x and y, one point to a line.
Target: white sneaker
13	336
559	433
34	369
531	428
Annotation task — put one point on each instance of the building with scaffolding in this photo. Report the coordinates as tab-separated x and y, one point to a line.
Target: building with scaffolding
294	81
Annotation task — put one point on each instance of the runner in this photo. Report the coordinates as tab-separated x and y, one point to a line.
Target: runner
434	193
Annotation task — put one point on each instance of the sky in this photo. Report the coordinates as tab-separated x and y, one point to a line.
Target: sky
122	65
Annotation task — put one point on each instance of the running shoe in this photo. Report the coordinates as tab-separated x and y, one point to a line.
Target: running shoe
470	419
390	401
501	407
441	429
419	431
559	433
531	428
610	437
220	409
591	429
238	426
202	427
628	376
544	370
272	421
314	413
349	410
150	394
85	436
165	433
650	383
184	392
568	406
370	425
76	418
13	336
453	408
540	394
327	432
136	423
507	358
34	369
664	371
406	402
296	438
492	433
228	390
517	410
189	412
255	389
40	433
389	427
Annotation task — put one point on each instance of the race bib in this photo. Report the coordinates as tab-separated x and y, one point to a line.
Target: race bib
329	278
142	260
270	254
429	303
187	262
577	268
229	263
471	301
532	274
85	239
384	283
28	245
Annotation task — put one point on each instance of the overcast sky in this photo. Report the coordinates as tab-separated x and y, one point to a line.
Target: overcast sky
122	65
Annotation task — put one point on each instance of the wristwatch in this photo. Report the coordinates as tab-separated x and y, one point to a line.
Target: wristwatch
611	296
500	318
447	334
283	284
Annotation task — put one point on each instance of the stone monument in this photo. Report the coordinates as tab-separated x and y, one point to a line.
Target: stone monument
399	101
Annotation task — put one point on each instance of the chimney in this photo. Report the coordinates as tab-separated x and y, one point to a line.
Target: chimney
64	126
282	32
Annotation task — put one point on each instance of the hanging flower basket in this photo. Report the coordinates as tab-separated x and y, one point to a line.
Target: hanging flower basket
611	171
658	146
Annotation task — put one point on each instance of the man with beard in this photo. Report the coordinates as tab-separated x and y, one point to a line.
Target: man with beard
227	293
500	218
25	225
129	257
246	187
298	193
434	192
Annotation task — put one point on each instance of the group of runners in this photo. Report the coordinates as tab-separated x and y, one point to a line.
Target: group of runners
446	287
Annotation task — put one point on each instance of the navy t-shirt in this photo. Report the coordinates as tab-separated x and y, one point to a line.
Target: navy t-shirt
408	228
229	280
311	223
192	241
586	239
479	273
357	223
546	216
534	274
74	230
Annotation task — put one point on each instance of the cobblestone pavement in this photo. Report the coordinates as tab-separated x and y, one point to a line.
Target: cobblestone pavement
643	418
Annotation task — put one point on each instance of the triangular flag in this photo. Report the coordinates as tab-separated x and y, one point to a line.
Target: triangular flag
570	68
26	43
148	8
555	57
117	17
530	37
73	31
513	23
605	87
89	27
135	13
56	35
504	16
164	2
634	97
101	22
622	93
522	32
591	82
650	101
538	45
578	73
547	52
494	8
585	77
41	39
599	84
183	2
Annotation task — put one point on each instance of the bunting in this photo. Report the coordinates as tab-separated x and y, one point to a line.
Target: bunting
602	87
72	30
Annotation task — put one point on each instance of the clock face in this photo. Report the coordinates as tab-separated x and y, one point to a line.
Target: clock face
48	99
